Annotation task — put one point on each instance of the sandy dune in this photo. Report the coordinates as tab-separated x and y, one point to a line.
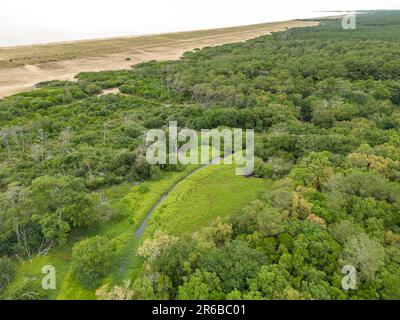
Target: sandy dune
171	46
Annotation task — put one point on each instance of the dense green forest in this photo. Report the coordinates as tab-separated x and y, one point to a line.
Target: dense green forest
325	105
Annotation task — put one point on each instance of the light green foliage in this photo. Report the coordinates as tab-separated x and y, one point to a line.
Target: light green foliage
152	248
210	195
91	260
365	254
200	286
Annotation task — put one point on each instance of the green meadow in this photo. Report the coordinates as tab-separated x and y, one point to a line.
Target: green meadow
215	191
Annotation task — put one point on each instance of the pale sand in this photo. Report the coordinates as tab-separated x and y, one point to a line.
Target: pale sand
18	79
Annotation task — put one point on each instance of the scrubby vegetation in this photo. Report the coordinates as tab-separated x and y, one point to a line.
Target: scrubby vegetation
325	193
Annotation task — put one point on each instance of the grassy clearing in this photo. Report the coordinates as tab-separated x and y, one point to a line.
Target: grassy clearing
214	191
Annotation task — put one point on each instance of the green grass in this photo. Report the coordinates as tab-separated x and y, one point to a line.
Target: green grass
31	271
214	191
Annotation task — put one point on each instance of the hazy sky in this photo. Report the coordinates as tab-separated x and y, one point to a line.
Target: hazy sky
28	21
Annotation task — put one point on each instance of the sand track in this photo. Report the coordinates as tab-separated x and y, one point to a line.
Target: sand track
158	47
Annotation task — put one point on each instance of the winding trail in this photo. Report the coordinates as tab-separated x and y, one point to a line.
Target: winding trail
139	232
143	225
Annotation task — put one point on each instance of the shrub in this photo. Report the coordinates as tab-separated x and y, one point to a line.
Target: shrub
144	187
155	173
91	260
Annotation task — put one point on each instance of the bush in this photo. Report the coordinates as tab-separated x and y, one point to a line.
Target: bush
58	205
90	88
141	167
91	260
155	173
261	169
144	187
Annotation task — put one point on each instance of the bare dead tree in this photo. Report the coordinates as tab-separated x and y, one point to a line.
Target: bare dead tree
45	247
105	127
5	138
42	137
16	132
65	138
